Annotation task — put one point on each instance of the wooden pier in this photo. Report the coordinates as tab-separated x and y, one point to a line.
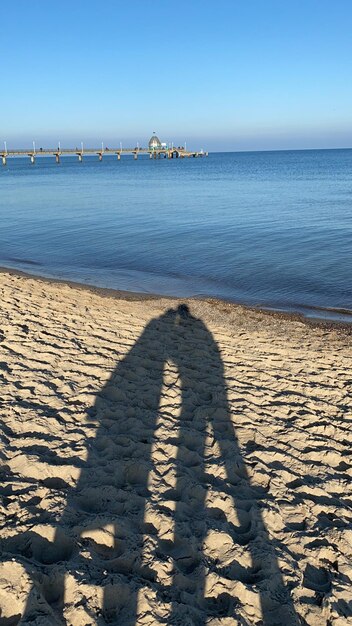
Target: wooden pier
157	153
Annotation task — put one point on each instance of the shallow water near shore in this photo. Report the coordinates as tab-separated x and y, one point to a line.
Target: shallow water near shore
268	229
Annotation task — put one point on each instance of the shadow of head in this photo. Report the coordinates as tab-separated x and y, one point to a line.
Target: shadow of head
181	313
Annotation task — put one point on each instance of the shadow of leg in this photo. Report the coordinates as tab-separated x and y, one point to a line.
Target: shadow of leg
264	573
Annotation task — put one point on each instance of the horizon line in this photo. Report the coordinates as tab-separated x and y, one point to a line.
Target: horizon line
112	150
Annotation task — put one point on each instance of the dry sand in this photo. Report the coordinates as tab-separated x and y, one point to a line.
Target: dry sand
161	466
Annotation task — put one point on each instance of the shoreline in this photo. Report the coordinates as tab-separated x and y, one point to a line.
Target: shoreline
121	294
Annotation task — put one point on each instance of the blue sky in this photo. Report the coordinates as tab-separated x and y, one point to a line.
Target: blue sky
223	75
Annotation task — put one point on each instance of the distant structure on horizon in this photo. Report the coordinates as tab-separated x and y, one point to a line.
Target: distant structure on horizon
156	149
154	143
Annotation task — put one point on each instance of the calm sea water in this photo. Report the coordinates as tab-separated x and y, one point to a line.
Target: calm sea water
272	229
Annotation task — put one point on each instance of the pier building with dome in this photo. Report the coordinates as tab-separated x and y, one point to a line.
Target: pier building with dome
154	143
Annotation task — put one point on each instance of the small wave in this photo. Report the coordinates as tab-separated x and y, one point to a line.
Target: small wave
15	259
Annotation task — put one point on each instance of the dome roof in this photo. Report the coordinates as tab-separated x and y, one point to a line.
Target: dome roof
154	142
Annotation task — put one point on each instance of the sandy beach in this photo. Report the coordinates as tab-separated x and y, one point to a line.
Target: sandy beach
164	461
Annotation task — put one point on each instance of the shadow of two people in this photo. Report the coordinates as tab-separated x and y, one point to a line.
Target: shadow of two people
113	490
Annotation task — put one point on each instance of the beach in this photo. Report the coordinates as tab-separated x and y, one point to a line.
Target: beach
169	461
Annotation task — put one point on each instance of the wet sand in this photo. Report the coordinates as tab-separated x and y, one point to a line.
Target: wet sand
171	461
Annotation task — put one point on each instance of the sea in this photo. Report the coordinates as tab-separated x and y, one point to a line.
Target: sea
266	229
